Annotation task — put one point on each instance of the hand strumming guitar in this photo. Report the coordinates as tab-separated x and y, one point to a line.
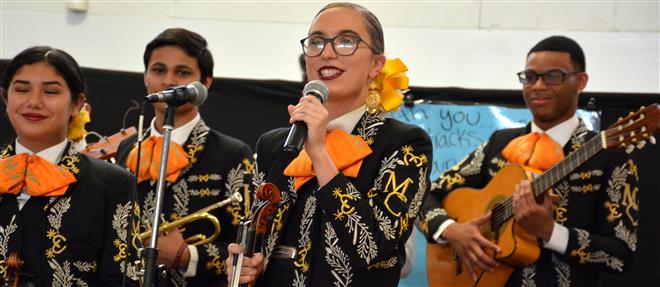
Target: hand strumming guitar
470	245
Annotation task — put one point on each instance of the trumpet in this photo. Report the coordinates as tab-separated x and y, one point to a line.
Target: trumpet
197	239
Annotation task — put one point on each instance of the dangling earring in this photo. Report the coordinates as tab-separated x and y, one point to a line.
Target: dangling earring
373	98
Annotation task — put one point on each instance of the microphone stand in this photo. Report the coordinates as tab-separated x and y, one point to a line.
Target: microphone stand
150	254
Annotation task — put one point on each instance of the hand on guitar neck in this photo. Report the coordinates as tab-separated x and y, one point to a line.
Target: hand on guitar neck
471	246
535	217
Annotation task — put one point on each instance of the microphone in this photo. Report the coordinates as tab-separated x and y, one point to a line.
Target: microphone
298	133
194	93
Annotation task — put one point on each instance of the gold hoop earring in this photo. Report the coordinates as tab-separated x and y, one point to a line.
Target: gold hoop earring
373	98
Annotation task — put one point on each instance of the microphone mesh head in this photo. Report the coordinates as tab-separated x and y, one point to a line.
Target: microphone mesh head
198	92
318	89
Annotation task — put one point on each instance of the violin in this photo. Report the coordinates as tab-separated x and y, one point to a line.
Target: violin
14	264
255	226
107	147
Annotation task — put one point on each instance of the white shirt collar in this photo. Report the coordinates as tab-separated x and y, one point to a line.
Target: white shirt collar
51	154
179	135
562	132
347	121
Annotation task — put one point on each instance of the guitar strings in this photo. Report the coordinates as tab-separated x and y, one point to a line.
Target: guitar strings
505	210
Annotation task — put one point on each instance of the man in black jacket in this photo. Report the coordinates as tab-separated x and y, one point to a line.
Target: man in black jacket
204	167
591	227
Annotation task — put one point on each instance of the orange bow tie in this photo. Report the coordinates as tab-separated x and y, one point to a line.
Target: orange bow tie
346	151
38	176
534	150
152	149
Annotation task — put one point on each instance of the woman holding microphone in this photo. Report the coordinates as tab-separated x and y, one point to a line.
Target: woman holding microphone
350	197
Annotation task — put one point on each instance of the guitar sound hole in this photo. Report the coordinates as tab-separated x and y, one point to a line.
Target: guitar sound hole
496	217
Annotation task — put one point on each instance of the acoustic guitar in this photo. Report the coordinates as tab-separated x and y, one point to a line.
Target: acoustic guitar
518	247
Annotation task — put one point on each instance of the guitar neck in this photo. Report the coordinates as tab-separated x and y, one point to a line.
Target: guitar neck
553	175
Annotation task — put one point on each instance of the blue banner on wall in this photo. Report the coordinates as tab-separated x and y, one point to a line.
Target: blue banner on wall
455	131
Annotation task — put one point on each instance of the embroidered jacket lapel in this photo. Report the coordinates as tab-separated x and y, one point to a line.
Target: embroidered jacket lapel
368	126
70	161
194	146
577	139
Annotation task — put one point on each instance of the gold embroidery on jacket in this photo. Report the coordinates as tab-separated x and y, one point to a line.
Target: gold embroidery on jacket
613	209
394	189
593	257
448	181
373	192
304	242
69	163
345	208
385	264
500	163
279	215
409	157
630	202
216	264
120	224
585	188
560	208
633	168
584	175
302	256
236	182
58	240
5	233
368	126
247	191
192	151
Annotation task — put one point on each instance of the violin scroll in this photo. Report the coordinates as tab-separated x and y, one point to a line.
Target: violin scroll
255	225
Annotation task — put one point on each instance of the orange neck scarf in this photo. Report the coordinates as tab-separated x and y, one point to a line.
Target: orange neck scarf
535	150
347	152
152	150
32	172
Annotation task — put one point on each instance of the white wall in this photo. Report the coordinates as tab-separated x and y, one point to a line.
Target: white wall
471	44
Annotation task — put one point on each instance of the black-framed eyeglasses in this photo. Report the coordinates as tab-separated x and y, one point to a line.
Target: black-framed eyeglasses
552	77
343	44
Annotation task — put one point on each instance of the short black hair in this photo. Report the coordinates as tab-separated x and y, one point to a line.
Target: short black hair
65	65
192	43
565	45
